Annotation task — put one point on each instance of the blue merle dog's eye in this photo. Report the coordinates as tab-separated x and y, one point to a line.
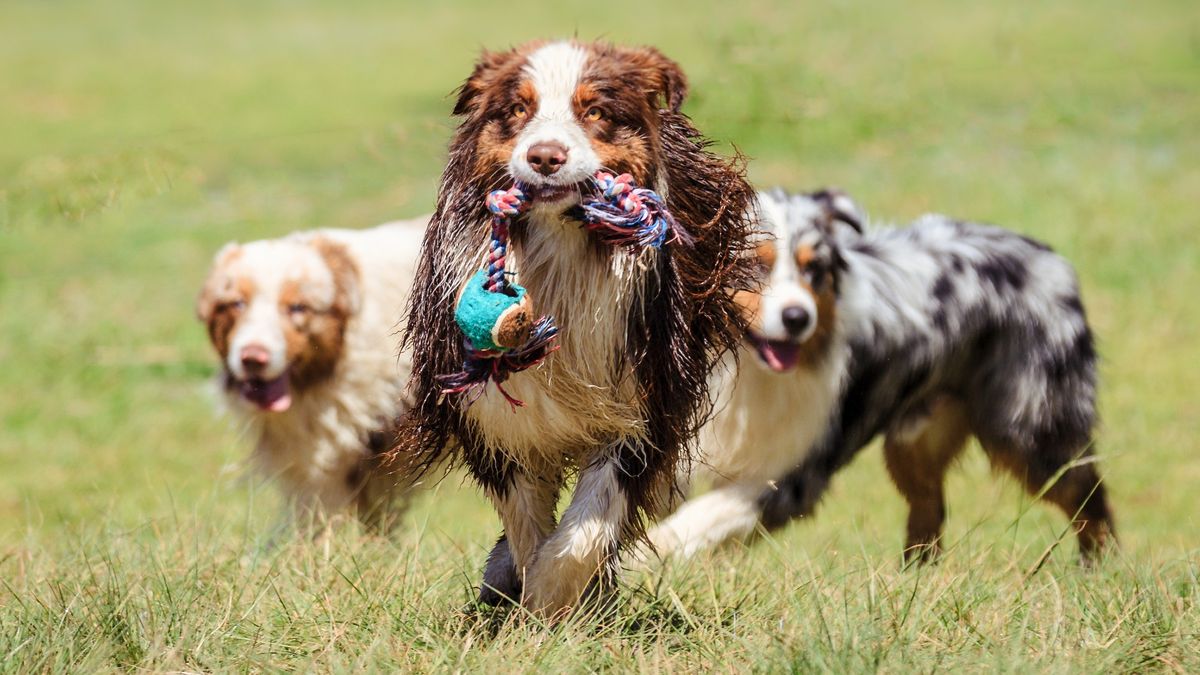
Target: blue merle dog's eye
818	275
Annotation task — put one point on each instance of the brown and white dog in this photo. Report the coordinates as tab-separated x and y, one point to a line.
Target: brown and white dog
621	398
925	335
306	330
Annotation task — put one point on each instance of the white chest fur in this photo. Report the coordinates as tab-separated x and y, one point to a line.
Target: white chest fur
764	425
765	422
584	394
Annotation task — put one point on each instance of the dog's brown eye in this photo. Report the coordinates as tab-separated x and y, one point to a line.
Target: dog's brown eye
232	306
519	111
298	308
593	114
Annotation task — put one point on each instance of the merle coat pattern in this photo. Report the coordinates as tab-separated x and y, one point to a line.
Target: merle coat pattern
926	335
971	329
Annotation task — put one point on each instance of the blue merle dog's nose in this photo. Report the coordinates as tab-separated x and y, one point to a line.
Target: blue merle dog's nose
795	320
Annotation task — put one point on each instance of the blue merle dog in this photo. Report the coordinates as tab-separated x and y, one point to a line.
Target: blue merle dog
925	335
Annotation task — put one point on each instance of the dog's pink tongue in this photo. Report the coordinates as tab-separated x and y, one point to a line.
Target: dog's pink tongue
273	395
780	356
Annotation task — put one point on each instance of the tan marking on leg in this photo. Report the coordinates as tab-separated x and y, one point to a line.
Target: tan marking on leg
1079	493
917	460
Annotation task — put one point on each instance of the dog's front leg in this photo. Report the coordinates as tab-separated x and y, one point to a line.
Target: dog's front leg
525	503
725	513
581	555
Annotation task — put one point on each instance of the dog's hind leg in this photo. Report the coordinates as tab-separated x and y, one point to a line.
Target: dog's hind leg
918	452
1078	491
1081	495
501	584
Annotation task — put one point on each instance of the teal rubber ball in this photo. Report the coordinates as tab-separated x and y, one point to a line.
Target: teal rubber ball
485	317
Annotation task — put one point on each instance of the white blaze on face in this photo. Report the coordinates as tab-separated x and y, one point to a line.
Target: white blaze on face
259	326
271	265
555	72
785	287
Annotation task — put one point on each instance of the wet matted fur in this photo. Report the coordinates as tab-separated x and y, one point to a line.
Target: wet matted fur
927	335
622	397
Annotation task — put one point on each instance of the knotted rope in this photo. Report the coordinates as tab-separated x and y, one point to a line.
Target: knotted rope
625	215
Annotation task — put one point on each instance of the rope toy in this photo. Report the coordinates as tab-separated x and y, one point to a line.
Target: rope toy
495	313
625	215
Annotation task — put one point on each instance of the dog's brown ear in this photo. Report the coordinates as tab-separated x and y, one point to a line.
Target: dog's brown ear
487	69
838	205
348	298
663	78
206	302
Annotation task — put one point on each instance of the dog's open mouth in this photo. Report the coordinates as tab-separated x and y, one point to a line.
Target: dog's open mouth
552	194
779	355
270	395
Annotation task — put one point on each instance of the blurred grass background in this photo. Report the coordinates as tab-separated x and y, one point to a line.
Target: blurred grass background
136	137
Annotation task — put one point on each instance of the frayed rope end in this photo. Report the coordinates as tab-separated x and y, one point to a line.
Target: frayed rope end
481	366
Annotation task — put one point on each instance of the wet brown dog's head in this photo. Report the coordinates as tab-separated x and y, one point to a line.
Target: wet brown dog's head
276	313
550	115
791	315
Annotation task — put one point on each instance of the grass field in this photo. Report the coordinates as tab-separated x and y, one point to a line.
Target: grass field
136	137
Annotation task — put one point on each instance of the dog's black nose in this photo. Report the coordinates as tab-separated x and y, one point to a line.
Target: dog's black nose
795	320
546	158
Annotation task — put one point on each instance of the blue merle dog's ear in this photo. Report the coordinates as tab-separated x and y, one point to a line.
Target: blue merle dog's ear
838	206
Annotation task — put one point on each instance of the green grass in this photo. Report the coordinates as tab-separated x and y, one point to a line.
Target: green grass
136	137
